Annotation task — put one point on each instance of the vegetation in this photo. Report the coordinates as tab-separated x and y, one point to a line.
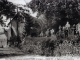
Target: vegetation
31	27
7	8
57	11
44	46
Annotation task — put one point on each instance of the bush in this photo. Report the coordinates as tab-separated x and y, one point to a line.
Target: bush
31	47
15	41
41	46
47	47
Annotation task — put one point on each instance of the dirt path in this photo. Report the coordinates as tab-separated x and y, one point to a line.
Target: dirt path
10	51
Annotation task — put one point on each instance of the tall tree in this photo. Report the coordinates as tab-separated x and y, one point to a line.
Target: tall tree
58	11
7	8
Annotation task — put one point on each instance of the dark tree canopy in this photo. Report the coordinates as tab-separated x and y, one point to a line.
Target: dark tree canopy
7	8
31	27
59	11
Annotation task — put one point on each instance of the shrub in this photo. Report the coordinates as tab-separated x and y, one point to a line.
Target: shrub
41	46
48	47
15	40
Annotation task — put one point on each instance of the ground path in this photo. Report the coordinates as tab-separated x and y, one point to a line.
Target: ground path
4	52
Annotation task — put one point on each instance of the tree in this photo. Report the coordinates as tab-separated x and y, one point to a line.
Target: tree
31	25
7	8
48	8
58	11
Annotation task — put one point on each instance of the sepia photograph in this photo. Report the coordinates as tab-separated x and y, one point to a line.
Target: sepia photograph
40	29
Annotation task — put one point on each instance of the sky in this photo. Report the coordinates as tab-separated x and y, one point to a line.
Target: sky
20	1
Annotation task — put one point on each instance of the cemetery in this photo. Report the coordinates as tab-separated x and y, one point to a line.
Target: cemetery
41	27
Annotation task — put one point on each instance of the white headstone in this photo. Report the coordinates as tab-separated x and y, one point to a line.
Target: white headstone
78	27
52	31
41	34
67	25
47	33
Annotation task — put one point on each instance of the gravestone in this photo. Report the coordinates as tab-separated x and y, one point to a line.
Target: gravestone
67	27
52	31
47	33
41	34
78	28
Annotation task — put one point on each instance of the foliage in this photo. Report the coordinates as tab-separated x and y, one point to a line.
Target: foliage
31	25
57	11
44	46
16	41
7	8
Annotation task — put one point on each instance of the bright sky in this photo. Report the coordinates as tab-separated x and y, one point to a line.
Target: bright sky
20	1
